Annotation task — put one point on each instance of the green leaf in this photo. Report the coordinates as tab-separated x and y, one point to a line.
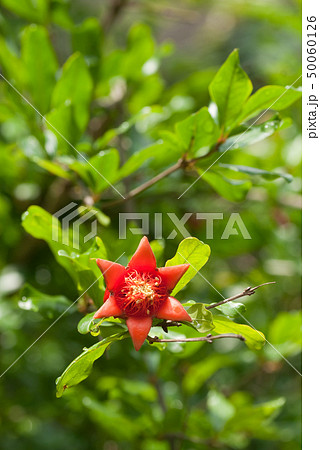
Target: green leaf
190	251
32	10
270	97
100	171
255	171
232	190
40	65
229	89
61	122
49	306
248	136
81	266
87	39
285	333
110	326
53	167
75	87
202	318
80	368
253	338
197	132
231	309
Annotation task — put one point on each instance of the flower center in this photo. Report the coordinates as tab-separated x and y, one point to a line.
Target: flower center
141	293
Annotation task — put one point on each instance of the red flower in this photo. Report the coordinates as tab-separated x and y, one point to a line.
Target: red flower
140	292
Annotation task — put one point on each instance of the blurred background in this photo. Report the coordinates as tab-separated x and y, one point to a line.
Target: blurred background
153	62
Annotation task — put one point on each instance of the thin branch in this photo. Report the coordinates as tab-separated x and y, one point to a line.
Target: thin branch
209	338
149	183
247	292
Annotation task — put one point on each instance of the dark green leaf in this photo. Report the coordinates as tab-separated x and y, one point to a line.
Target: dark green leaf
49	306
232	190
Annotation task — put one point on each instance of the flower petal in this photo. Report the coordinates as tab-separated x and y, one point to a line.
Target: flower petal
112	272
106	295
143	259
171	275
139	328
173	310
108	309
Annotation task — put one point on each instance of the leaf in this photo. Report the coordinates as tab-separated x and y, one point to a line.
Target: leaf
49	306
232	190
253	338
74	87
197	132
52	167
255	171
81	266
231	309
229	89
285	333
110	326
61	122
87	39
190	251
35	11
252	135
40	65
270	97
202	318
80	367
100	171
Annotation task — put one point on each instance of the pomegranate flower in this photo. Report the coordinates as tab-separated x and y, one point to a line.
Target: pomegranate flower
140	292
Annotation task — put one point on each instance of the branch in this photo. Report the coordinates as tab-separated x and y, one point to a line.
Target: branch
113	13
209	338
149	183
247	292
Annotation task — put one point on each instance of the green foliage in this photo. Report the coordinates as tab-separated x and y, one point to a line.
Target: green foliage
190	251
113	94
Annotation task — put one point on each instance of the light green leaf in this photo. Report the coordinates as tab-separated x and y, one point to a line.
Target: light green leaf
80	368
229	89
110	326
285	333
202	318
232	190
100	171
231	309
49	306
190	251
53	167
40	65
255	171
62	123
248	136
253	338
32	10
87	39
198	132
75	88
273	97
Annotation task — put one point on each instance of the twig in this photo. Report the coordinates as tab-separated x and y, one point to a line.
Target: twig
248	291
209	338
113	13
149	183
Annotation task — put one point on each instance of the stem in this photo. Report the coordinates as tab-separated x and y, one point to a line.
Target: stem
247	292
209	338
149	183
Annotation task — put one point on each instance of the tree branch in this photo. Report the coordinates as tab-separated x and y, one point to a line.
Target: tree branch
209	338
247	292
